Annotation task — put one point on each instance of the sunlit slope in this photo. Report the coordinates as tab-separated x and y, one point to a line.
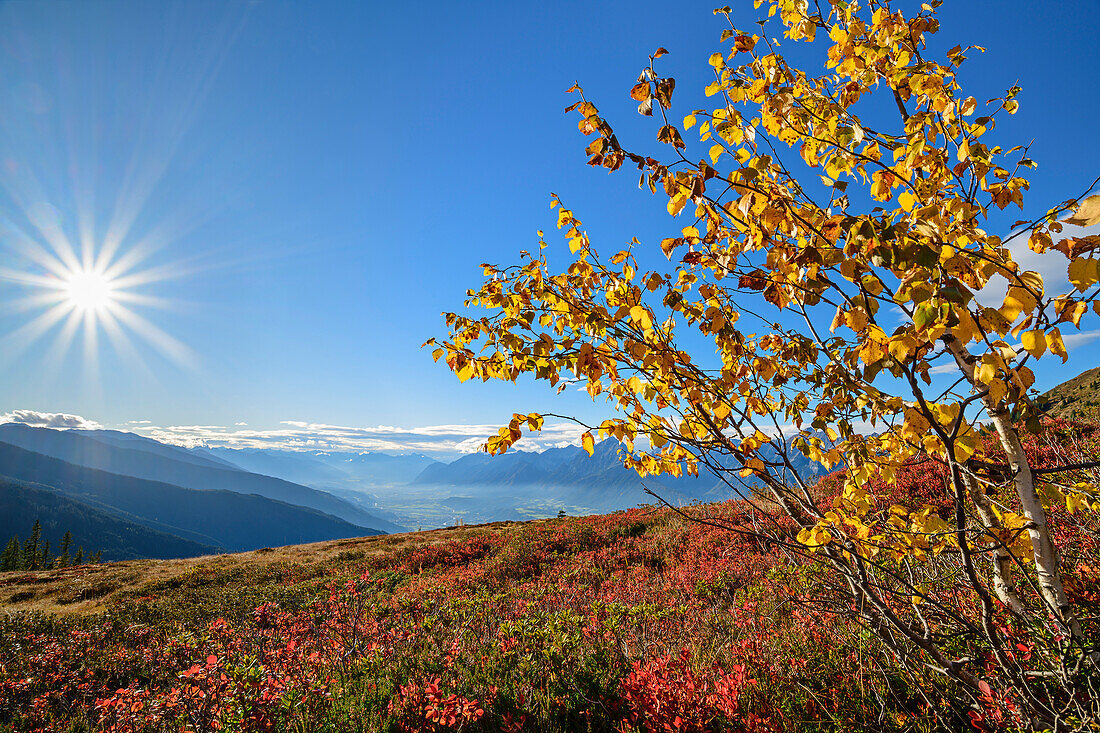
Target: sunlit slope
1075	399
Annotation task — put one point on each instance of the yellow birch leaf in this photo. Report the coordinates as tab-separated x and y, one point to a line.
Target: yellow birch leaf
856	319
1033	281
871	352
640	315
1054	342
676	204
986	372
1017	301
588	442
1035	342
998	390
1087	214
838	319
907	200
1083	273
901	346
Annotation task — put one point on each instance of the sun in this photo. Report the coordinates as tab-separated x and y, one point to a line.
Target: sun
83	294
89	291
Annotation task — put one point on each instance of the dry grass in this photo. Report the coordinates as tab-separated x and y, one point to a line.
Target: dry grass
1076	399
90	589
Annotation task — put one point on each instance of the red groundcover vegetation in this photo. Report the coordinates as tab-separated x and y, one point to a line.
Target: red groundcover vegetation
644	620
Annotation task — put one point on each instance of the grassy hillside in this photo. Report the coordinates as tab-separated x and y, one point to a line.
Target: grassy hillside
644	620
201	588
519	626
1076	399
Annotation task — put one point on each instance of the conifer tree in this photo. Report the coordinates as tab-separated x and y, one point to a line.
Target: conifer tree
64	559
44	556
78	558
30	548
11	557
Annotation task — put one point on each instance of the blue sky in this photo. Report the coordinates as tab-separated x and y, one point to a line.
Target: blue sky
316	182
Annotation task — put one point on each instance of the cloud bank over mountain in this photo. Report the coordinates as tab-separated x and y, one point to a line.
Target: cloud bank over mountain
37	419
297	435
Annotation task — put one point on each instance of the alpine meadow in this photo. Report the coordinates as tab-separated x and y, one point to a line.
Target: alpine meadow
835	484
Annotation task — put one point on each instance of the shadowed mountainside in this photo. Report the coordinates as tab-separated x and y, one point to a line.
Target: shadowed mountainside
118	538
212	517
154	461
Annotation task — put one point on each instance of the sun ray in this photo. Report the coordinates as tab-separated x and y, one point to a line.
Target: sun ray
84	297
33	302
34	251
19	340
167	345
26	190
92	383
28	278
148	301
144	277
61	345
124	346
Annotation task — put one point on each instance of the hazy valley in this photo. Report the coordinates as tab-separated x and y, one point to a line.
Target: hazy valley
241	499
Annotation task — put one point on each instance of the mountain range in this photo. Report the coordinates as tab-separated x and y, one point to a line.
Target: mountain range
130	496
152	499
132	455
481	488
324	469
570	478
119	538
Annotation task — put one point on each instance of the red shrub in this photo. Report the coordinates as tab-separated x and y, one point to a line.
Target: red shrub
429	708
664	694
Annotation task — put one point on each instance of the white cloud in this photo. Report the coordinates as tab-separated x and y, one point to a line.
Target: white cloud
38	419
297	435
1071	340
946	368
1076	339
1053	266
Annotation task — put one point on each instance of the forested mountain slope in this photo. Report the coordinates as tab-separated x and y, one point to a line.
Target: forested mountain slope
228	519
